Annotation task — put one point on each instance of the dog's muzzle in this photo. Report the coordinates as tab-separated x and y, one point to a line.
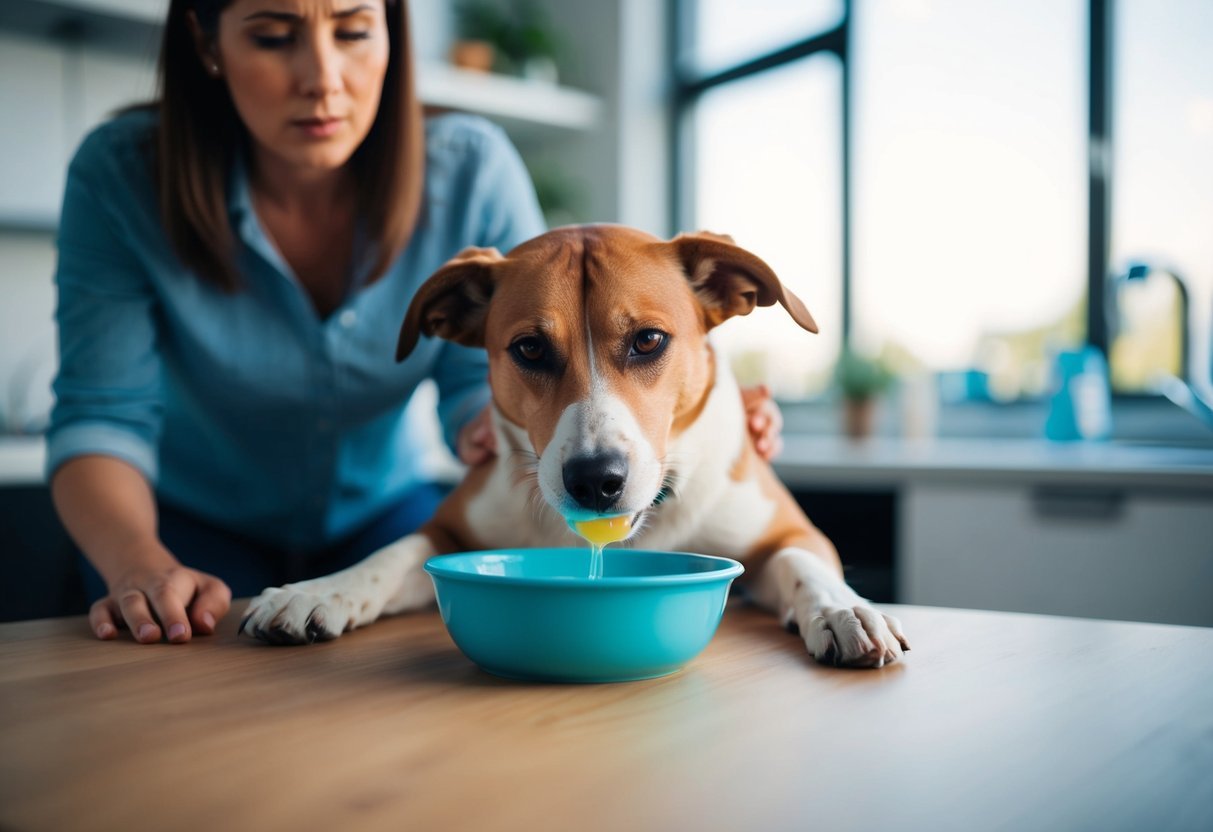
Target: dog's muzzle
596	482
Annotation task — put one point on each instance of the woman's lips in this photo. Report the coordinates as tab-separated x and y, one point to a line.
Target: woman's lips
318	128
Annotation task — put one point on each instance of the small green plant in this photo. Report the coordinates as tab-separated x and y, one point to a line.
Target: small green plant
859	377
519	31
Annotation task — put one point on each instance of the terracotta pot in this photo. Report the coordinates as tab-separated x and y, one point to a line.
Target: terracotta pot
477	55
858	417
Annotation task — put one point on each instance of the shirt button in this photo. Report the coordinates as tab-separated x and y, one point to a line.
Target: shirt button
348	318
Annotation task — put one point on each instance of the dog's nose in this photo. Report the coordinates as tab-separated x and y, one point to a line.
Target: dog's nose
596	482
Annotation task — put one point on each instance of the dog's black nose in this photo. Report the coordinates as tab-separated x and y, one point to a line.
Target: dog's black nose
596	482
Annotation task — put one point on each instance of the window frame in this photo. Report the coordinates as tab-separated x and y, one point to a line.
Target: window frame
688	86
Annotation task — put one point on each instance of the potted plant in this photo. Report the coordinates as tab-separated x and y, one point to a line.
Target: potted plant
515	39
860	380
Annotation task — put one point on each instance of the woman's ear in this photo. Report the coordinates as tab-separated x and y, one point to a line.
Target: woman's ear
205	46
728	280
453	303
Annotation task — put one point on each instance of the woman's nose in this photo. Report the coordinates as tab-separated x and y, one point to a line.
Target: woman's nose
318	68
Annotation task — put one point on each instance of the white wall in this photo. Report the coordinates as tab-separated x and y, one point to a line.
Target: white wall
51	93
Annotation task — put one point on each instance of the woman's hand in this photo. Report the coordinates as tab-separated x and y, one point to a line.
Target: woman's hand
764	420
476	442
161	597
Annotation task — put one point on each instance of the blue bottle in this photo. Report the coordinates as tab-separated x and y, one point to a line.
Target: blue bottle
1081	404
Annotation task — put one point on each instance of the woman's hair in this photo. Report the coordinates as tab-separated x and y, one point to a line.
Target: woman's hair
200	134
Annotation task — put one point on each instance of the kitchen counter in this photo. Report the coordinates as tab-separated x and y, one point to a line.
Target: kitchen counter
832	460
994	721
809	461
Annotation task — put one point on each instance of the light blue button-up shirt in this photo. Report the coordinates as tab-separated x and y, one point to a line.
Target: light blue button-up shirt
248	409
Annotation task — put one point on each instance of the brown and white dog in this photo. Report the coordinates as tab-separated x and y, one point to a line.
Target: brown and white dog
608	397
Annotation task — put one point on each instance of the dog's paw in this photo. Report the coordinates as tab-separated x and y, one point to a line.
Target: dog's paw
289	615
855	636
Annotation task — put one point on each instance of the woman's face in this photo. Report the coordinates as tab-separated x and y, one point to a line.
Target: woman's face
305	75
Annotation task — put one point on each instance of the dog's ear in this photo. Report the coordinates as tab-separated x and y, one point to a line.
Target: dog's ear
453	303
729	281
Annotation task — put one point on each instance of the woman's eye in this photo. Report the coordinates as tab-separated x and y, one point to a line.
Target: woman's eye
531	350
648	342
271	41
353	35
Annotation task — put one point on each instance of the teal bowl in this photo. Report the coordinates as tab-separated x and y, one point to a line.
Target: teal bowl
536	614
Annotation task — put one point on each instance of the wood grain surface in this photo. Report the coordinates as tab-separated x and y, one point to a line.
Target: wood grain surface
994	721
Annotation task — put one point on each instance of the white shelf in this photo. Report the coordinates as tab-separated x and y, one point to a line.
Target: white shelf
15	223
521	107
143	11
22	460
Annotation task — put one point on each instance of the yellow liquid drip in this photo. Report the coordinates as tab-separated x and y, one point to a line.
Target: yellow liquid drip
595	561
605	530
600	532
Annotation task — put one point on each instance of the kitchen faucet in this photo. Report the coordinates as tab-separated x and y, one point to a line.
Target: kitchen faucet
1178	389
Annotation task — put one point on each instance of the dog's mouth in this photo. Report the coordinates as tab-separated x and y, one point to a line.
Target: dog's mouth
609	524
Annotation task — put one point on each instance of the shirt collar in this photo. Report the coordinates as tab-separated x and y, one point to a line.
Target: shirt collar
248	227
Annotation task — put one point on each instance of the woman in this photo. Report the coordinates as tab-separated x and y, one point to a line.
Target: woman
233	265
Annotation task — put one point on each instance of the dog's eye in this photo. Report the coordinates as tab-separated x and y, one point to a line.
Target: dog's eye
648	342
530	350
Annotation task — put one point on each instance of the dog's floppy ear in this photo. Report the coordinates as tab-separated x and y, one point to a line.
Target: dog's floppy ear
729	281
453	303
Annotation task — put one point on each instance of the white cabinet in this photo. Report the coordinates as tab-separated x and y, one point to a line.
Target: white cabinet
1082	550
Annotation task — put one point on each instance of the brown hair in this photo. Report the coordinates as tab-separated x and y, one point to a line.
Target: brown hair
200	134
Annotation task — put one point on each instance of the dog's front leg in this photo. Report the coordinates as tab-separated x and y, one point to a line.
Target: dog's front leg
388	581
837	625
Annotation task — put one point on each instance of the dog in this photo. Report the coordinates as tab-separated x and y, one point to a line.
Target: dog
607	397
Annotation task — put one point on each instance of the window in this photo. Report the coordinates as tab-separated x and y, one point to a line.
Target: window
780	200
729	32
970	186
766	166
1162	188
941	164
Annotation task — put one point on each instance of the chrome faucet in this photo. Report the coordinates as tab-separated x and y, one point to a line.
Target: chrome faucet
1178	389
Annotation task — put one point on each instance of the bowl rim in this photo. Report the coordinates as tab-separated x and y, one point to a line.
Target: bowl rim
728	569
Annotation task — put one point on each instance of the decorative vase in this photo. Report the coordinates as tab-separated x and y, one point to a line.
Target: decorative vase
858	417
476	55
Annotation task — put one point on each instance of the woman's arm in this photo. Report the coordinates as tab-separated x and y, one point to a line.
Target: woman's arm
101	445
108	509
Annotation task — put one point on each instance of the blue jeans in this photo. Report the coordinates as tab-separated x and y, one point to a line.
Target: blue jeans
249	566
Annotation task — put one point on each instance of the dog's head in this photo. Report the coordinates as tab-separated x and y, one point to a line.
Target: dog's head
596	337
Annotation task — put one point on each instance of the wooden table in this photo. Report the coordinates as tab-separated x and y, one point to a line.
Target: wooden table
995	721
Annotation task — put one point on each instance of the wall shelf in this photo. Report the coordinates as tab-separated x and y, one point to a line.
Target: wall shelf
126	26
524	108
28	223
